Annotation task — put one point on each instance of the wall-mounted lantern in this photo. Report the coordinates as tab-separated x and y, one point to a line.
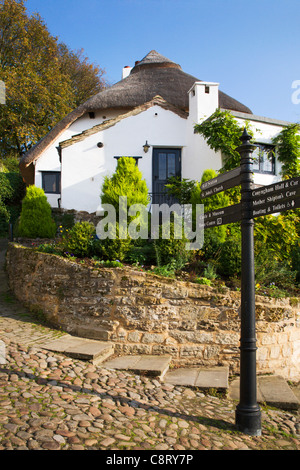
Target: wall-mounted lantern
146	147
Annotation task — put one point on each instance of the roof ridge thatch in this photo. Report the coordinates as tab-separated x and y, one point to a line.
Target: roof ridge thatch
155	59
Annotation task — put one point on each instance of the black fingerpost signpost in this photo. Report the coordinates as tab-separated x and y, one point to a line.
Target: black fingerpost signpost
275	198
248	415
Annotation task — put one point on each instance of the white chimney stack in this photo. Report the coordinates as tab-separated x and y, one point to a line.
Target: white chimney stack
126	71
203	100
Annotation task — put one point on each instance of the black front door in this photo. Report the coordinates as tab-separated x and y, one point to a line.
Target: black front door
166	163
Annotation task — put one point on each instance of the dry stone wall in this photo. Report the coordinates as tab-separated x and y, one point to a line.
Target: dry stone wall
147	314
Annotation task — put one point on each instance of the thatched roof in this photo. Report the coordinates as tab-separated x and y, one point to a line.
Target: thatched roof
155	75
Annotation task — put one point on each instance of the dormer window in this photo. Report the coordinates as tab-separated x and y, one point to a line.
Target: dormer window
207	89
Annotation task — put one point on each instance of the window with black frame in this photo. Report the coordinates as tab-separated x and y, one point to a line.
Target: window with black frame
264	159
51	182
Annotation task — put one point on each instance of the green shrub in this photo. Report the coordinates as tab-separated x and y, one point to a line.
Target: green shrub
295	258
181	189
12	187
78	241
166	271
142	255
279	235
126	181
51	248
171	250
229	260
4	219
108	264
64	220
36	217
203	281
12	191
210	271
111	249
271	272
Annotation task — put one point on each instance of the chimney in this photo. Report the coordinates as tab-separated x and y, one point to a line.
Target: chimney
126	71
203	100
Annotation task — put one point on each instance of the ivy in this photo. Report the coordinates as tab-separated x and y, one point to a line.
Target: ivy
223	133
288	150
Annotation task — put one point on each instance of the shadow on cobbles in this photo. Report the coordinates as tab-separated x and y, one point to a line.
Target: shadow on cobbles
206	421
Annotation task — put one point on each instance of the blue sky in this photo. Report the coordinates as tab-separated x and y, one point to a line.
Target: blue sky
251	47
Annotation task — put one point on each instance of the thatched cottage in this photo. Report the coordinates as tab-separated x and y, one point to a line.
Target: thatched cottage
149	115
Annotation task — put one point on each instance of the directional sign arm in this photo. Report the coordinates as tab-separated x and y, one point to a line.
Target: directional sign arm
222	216
277	197
221	182
274	208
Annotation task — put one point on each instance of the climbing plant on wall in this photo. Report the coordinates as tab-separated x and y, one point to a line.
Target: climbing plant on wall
222	132
288	150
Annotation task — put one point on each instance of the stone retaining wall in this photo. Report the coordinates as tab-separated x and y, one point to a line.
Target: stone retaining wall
147	314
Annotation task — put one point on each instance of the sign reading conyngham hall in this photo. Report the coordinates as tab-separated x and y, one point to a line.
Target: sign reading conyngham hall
266	200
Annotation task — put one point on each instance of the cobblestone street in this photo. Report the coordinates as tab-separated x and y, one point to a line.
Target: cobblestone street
51	402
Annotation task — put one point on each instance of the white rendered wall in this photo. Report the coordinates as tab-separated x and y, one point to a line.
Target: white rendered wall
49	160
84	165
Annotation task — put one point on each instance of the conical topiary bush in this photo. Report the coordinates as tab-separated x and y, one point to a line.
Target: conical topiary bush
36	216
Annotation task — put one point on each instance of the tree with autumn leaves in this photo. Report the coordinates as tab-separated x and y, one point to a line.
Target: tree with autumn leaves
44	79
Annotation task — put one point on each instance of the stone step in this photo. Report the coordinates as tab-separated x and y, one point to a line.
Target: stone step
154	366
80	348
203	378
94	333
272	390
